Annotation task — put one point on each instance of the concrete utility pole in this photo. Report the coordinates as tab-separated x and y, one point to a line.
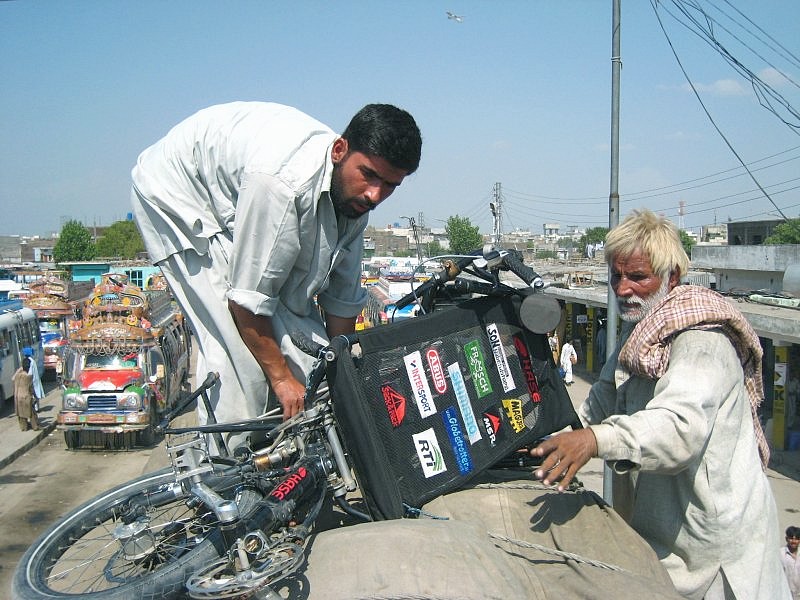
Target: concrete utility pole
613	202
413	226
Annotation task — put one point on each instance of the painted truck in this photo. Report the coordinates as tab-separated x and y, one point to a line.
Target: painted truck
125	365
56	303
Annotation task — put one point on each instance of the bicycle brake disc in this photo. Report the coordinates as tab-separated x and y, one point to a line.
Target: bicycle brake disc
222	578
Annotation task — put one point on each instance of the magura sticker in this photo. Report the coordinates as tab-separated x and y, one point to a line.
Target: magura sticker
457	442
513	408
477	366
527	369
395	404
419	384
506	378
437	371
429	453
464	405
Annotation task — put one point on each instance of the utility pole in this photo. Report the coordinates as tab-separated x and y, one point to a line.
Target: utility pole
613	202
496	207
413	225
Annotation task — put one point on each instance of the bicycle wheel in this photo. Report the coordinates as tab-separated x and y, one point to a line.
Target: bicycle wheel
81	557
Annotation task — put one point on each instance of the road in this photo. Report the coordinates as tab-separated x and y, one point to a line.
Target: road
47	482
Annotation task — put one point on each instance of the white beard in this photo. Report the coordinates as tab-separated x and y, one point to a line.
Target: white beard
633	309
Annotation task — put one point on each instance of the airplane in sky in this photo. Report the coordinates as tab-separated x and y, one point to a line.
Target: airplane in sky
455	17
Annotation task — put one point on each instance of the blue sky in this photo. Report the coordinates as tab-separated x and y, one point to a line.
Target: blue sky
518	93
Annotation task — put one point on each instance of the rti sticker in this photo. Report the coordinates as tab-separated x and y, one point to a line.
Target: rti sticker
500	358
513	408
459	445
477	366
527	369
395	404
430	456
464	405
419	384
437	371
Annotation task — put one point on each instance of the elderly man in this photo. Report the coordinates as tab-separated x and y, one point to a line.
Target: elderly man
674	413
255	212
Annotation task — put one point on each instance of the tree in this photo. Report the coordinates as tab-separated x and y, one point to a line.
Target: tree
687	241
593	235
434	248
787	232
121	240
74	243
464	237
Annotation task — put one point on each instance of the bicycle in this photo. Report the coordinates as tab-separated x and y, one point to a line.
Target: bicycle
233	525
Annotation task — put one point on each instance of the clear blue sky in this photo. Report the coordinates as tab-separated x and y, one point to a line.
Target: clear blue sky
518	93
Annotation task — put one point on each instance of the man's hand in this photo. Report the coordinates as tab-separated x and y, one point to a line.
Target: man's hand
565	453
290	393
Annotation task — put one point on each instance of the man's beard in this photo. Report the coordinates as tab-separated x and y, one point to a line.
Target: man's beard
644	305
345	207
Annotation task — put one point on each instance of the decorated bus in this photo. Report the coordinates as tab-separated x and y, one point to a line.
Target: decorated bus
126	363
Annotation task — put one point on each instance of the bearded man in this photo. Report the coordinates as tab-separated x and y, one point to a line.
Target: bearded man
255	212
674	414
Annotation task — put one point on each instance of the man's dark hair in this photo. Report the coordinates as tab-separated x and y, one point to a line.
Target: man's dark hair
792	531
26	364
388	132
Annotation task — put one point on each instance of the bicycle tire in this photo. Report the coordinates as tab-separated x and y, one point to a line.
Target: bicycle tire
78	557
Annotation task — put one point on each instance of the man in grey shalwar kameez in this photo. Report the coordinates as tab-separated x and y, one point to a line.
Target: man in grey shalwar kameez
674	414
255	212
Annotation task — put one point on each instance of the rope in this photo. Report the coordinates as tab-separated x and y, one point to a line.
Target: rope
552	551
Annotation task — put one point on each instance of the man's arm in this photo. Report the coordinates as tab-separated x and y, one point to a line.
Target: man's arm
259	337
339	325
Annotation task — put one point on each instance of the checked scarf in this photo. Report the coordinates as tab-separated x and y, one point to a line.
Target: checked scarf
646	352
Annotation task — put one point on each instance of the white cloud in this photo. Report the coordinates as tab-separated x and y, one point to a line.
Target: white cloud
721	87
774	78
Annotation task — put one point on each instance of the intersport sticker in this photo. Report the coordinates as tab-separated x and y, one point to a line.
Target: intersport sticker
464	405
526	365
477	366
500	359
429	453
437	371
460	448
395	404
419	384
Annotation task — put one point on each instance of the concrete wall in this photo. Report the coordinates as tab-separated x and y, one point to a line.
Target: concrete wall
747	267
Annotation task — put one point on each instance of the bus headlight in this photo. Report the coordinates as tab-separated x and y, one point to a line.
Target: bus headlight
128	400
74	402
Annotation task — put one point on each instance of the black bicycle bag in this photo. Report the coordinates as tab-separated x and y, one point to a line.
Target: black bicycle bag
431	402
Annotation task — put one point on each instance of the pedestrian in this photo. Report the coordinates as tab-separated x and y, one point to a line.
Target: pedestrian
255	213
24	397
791	560
673	413
33	371
601	341
568	358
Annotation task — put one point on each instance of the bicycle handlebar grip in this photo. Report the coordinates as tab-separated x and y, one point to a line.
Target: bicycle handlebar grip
524	272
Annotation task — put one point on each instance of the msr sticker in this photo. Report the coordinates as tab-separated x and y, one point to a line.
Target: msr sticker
492	421
419	384
395	404
430	456
477	366
464	405
527	369
513	408
437	371
460	448
500	358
